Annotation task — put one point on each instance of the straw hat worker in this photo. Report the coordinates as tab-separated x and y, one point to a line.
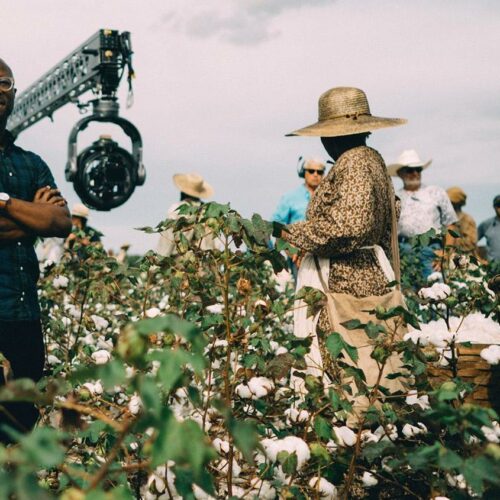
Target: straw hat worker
349	214
81	231
193	189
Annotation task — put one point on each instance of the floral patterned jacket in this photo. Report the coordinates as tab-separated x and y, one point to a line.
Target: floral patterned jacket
350	209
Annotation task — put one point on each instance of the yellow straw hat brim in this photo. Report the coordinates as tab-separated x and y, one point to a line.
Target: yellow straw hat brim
337	127
193	185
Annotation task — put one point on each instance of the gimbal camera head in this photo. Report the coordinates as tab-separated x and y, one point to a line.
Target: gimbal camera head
105	175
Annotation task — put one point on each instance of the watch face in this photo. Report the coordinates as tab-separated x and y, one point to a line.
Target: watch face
4	197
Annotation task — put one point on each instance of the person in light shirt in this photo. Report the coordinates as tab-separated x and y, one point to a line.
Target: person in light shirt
422	208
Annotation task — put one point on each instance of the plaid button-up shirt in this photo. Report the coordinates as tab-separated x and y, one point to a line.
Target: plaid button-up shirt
22	173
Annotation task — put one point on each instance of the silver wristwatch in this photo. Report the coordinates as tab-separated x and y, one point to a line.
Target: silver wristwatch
4	200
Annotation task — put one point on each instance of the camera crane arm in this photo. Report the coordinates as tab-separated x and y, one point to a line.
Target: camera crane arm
98	65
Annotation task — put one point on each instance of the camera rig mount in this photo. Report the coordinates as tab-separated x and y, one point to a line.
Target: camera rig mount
104	175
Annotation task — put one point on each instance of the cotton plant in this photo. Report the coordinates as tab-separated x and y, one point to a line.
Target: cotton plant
173	378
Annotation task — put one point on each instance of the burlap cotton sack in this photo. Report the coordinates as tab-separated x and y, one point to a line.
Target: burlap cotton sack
341	308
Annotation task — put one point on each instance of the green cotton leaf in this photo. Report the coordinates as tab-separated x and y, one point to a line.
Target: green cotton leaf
246	437
111	374
448	459
284	246
288	462
216	210
171	367
319	452
26	486
334	399
149	393
374	451
335	344
423	456
94	430
480	470
322	428
42	447
171	444
353	324
373	330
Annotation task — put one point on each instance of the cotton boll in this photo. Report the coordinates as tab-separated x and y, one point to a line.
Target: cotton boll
152	312
99	322
492	434
101	357
491	354
323	488
435	276
263	490
290	444
295	416
60	282
135	404
369	479
411	431
223	467
221	445
368	437
215	308
53	360
438	291
414	399
66	321
390	432
243	391
87	339
199	494
345	436
104	344
417	336
260	386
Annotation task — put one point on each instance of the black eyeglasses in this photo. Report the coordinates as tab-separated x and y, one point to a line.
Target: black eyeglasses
410	170
312	171
6	83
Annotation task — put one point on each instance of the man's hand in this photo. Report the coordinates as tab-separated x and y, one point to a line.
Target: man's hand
50	195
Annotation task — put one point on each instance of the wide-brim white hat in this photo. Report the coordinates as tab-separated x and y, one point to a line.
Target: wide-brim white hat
193	185
408	158
345	111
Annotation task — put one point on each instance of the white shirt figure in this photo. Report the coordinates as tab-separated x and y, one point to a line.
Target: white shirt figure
426	208
193	189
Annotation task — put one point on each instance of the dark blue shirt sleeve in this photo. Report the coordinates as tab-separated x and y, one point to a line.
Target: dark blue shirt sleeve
45	177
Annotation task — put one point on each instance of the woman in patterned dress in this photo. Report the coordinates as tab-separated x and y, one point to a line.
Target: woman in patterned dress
351	208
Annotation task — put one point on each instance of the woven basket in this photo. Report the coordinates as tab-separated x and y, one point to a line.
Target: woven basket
472	368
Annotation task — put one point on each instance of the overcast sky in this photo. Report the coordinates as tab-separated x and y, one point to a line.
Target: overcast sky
220	82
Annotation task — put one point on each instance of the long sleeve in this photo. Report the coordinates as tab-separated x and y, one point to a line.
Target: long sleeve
347	218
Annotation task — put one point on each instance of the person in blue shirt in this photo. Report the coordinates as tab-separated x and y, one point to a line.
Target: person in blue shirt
30	206
293	205
490	229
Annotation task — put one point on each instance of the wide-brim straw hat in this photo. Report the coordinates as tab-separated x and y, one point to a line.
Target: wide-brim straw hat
408	158
193	185
80	210
345	111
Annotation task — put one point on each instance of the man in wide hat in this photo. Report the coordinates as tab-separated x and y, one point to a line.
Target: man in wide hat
193	189
423	207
